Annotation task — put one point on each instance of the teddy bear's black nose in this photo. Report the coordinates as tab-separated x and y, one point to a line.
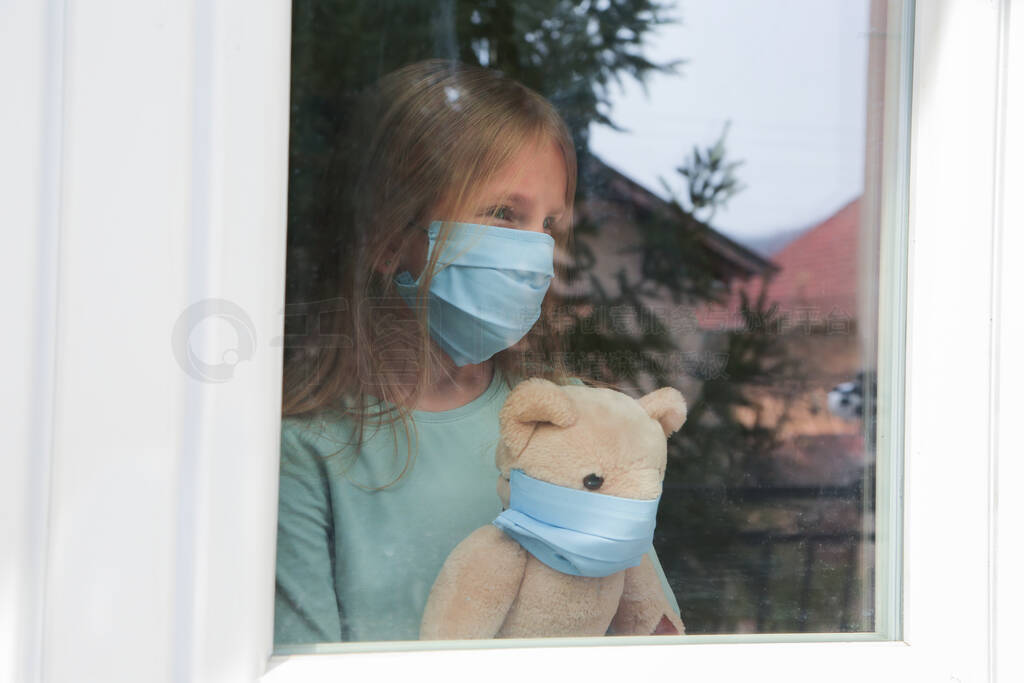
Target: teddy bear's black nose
593	482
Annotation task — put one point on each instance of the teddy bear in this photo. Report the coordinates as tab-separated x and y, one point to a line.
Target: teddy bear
580	476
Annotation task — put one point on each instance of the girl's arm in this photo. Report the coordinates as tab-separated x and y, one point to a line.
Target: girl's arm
306	607
663	580
646	608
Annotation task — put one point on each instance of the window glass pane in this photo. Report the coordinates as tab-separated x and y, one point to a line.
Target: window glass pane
622	193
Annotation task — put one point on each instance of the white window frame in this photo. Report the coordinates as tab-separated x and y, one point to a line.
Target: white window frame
144	168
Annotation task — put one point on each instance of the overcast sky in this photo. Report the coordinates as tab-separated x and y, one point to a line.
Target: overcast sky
789	74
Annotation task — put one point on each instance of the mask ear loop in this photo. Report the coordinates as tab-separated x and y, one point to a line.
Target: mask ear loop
414	226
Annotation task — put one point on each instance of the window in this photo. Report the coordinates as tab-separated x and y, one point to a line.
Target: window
140	501
735	195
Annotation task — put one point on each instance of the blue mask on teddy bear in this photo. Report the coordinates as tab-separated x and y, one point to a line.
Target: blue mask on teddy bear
577	532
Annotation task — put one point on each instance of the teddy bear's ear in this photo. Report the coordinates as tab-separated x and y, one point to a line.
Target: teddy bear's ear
667	406
532	402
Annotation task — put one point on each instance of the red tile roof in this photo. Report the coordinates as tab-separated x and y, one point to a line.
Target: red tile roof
816	283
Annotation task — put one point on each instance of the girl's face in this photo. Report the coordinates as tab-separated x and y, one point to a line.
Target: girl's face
527	194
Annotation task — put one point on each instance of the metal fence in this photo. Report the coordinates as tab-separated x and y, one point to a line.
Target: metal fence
784	581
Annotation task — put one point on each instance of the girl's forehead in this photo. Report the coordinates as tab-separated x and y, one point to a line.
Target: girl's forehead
536	173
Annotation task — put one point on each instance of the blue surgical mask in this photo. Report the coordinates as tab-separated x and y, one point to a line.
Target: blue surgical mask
577	532
487	288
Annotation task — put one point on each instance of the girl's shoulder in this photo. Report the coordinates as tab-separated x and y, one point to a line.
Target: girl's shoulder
330	429
516	379
330	432
314	435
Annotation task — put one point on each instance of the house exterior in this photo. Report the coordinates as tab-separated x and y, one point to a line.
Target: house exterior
610	220
816	291
813	279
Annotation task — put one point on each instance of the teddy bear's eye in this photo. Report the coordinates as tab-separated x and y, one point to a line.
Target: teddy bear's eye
593	482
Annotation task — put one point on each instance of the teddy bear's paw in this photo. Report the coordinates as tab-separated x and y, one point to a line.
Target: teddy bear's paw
665	627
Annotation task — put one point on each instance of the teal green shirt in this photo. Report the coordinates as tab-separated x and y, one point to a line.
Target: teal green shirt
357	564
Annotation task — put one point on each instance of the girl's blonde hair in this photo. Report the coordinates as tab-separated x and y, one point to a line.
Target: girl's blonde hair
427	137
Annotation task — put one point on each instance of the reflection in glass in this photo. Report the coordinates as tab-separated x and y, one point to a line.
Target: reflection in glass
727	229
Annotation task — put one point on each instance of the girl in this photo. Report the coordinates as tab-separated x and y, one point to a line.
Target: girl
388	439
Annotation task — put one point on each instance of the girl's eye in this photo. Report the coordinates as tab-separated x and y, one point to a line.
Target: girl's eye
549	224
502	213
